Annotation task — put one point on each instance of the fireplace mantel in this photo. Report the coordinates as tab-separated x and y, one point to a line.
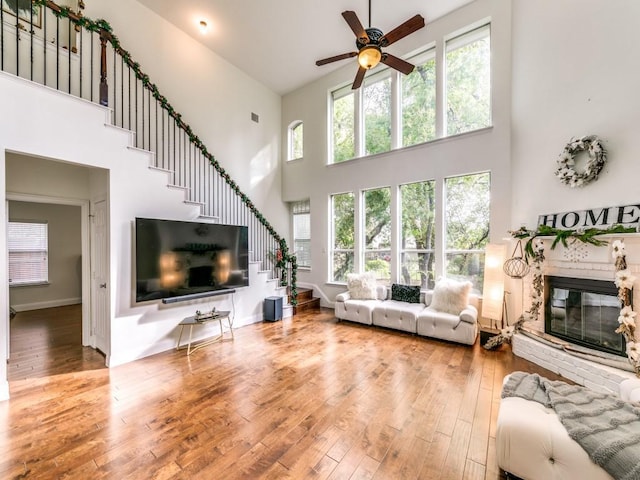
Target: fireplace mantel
577	260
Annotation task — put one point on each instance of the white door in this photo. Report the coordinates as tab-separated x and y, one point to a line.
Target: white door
100	324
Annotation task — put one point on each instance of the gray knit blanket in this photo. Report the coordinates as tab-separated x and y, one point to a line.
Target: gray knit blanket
605	426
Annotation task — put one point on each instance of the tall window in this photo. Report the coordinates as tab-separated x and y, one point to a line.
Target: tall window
419	101
417	255
467	226
301	212
295	141
377	233
364	120
468	81
376	99
343	236
28	253
344	146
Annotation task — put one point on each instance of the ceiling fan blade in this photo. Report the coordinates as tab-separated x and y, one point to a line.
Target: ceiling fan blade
397	63
324	61
359	77
352	19
401	31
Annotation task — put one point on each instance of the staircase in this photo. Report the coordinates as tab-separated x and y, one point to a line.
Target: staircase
306	301
100	70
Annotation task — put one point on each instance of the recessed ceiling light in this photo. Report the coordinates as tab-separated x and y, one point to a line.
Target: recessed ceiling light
204	26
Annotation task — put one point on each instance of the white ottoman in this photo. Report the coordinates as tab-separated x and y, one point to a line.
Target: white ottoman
532	444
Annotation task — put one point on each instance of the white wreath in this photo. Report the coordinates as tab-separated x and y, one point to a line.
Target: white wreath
566	163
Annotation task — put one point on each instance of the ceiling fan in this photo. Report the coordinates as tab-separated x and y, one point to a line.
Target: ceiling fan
370	43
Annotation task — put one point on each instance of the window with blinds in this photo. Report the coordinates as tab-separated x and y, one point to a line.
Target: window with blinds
28	253
302	232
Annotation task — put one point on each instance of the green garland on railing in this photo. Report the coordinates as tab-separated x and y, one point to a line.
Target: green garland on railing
102	25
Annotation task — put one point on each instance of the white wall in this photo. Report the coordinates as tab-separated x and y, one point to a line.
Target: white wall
213	96
575	72
64	256
49	165
488	150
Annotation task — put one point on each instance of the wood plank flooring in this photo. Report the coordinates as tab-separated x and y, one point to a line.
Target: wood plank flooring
307	397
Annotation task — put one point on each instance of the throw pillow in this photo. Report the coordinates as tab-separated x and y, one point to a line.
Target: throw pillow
362	286
450	296
405	293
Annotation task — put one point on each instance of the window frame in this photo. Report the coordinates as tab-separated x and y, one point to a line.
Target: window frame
363	232
401	250
436	50
301	208
34	280
457	41
446	251
291	132
332	236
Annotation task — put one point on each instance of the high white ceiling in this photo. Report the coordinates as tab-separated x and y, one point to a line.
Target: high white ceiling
278	41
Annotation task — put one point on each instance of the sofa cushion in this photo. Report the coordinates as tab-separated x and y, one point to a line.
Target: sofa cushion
362	286
450	296
397	315
405	293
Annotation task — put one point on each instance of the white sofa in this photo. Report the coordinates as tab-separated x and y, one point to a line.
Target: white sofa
411	317
532	444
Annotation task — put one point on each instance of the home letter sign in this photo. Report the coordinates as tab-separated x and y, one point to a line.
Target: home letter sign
626	215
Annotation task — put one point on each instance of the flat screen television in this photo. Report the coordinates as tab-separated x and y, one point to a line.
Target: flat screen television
180	259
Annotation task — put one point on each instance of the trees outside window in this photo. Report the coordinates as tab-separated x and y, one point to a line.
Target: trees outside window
419	101
373	119
418	233
342	252
377	233
467	212
376	98
343	125
468	81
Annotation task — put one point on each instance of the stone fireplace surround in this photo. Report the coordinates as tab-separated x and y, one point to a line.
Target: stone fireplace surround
602	372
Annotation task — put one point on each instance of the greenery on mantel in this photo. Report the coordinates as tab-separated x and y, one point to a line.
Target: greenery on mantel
588	236
103	27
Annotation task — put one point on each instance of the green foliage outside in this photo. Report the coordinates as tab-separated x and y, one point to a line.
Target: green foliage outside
467	231
377	116
469	87
343	235
377	231
419	104
467	226
418	234
343	128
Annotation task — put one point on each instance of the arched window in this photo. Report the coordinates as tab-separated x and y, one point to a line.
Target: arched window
295	140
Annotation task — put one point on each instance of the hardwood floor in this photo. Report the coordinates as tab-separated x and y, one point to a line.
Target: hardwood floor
302	398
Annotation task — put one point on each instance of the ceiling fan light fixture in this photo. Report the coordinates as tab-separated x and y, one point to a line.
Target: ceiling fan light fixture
369	56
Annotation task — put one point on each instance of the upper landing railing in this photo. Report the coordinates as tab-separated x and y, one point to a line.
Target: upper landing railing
55	46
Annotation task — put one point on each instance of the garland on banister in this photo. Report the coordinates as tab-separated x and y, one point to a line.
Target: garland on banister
103	27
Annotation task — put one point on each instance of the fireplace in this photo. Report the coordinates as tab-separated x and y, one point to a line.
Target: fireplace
584	312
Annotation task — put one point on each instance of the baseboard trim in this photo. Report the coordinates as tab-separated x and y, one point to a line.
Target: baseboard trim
63	302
